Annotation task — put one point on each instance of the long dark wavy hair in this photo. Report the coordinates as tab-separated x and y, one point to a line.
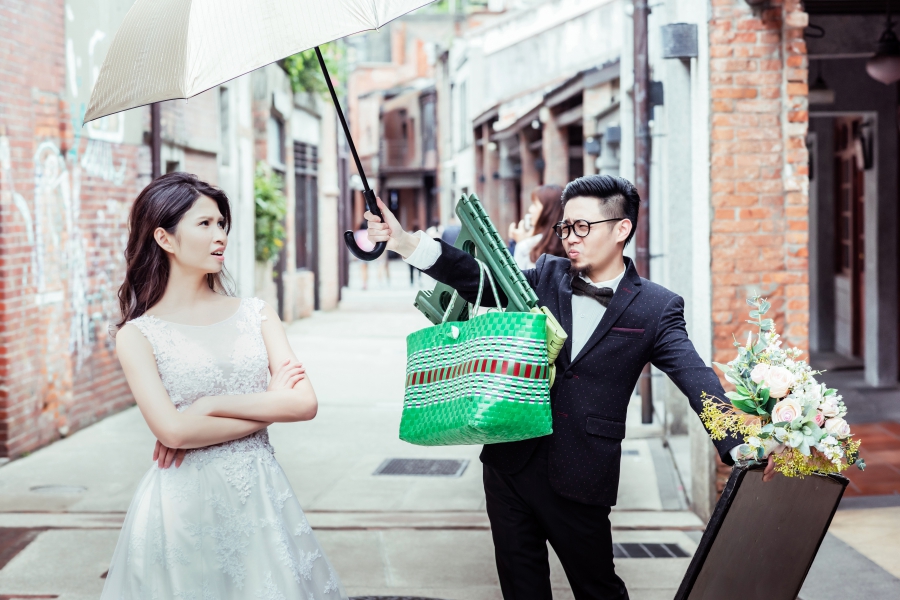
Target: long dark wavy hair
162	204
551	214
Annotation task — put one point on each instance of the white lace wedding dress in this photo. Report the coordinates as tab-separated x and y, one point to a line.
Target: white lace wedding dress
226	524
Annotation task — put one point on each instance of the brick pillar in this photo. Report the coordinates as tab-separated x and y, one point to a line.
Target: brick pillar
64	203
759	168
556	152
531	177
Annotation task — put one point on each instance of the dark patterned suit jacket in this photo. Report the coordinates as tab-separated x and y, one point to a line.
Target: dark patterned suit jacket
643	323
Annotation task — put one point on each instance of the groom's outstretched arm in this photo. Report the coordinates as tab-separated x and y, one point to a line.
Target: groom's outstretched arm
675	355
437	259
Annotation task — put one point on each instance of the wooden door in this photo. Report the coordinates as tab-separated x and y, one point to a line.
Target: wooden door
850	223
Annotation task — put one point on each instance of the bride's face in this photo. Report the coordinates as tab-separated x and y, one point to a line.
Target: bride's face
200	239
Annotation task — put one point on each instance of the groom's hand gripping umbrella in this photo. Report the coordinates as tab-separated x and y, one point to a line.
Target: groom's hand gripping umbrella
171	49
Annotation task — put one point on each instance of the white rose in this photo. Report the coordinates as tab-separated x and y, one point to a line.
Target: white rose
829	407
786	411
837	427
780	381
759	372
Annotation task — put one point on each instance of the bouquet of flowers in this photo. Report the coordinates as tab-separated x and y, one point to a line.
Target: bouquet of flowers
779	408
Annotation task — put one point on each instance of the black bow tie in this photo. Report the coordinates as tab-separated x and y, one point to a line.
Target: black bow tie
580	287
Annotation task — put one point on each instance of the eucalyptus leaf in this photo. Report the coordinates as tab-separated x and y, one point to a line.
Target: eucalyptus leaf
745	406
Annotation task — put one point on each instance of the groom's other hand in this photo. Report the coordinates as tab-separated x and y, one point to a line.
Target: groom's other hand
769	471
390	231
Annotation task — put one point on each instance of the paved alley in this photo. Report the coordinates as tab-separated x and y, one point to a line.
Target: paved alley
388	535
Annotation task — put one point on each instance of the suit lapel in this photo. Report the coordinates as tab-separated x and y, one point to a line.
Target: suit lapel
564	295
628	289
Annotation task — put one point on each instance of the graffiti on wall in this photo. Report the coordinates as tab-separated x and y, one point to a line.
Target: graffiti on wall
59	271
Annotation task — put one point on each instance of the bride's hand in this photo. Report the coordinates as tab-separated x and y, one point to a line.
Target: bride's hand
165	456
287	376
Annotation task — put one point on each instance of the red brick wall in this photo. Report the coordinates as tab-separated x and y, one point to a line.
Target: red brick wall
760	168
63	207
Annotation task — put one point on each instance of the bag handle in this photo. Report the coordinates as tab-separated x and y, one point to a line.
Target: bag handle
482	269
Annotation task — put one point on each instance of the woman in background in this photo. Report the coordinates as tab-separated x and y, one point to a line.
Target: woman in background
544	212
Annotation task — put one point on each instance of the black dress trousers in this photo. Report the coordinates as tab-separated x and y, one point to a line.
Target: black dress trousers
526	513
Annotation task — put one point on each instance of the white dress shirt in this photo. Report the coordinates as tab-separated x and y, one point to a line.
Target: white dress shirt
586	312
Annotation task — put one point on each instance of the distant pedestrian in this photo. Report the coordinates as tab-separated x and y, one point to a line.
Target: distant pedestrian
224	522
534	234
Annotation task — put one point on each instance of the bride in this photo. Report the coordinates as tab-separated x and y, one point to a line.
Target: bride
215	517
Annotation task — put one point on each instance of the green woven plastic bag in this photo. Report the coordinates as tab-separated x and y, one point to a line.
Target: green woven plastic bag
481	381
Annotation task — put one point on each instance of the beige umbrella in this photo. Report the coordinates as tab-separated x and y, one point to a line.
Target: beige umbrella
169	49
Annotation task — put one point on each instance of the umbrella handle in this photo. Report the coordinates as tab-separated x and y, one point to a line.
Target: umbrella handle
355	250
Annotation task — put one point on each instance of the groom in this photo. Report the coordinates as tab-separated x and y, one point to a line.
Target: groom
559	488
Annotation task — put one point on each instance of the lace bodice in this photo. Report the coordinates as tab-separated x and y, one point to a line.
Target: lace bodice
225	358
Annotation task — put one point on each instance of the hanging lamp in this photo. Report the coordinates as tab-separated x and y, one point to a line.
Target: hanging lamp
885	65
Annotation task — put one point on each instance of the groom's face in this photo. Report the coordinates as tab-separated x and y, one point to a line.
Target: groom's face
605	241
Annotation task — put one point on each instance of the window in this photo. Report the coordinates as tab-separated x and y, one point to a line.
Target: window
306	214
225	126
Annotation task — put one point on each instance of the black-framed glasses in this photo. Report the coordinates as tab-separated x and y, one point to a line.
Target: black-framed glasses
580	227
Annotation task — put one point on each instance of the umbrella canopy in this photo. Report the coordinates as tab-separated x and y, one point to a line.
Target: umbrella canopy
168	49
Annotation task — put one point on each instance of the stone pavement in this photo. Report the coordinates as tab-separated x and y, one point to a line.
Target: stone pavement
61	507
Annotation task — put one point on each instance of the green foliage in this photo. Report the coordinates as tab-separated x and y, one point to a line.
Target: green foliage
305	73
271	208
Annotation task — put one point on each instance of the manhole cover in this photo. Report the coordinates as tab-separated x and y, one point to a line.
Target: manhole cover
59	489
420	467
649	551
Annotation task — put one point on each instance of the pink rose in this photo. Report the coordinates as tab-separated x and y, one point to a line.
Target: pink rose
786	411
819	418
780	381
759	372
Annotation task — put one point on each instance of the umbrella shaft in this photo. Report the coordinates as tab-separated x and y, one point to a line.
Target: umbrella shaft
340	112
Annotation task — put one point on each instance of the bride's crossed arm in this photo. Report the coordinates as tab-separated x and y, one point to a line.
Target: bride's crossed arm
216	419
290	396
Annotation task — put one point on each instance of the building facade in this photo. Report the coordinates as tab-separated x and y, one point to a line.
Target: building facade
66	192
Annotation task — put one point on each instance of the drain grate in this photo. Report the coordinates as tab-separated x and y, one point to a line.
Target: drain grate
391	598
648	551
58	489
421	467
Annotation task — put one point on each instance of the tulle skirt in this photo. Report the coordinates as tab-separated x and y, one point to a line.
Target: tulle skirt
224	525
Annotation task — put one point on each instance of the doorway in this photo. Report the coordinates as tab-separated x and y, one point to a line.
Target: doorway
306	212
849	194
